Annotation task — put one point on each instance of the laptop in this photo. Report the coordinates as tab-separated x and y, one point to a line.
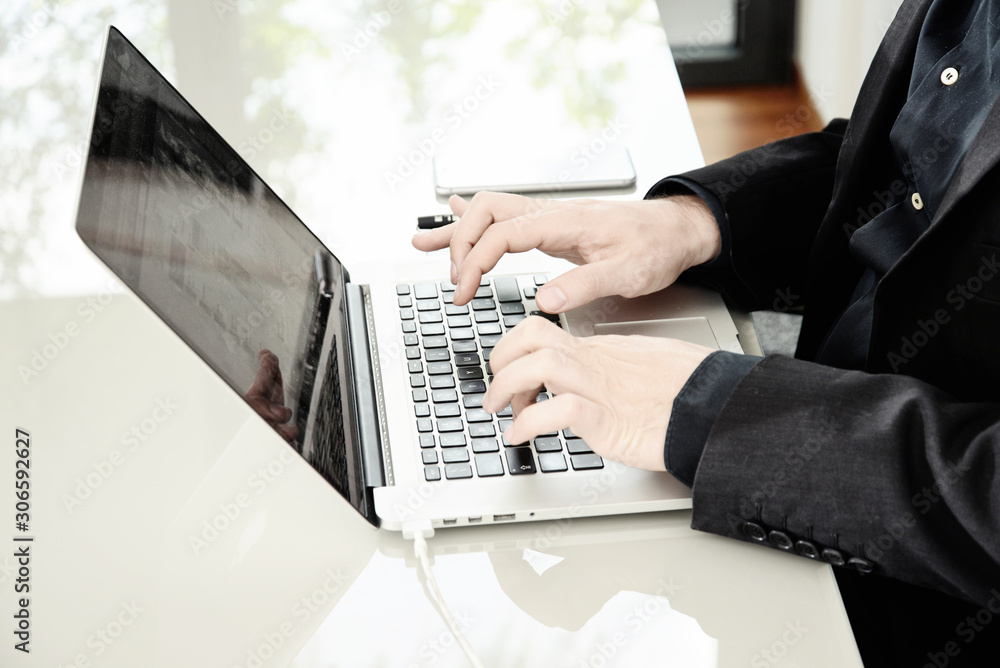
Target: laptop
379	386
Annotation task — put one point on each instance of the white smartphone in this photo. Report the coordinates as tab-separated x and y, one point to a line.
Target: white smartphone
553	172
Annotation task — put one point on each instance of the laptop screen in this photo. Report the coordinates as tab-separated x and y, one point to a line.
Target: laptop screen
181	218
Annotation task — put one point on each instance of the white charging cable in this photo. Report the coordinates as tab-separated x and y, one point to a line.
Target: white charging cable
419	532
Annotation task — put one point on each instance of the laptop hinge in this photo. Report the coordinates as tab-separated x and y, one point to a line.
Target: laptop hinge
369	402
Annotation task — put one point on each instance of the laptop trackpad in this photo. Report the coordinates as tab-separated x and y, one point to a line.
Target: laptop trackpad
693	330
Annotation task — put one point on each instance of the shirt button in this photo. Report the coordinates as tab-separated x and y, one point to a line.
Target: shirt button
949	76
917	201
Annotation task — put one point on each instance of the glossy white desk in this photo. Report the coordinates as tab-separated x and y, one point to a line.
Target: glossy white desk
172	527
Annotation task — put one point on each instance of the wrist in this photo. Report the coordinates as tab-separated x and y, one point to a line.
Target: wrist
699	229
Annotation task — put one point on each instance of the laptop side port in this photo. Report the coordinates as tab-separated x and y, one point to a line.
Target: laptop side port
449	522
474	520
503	518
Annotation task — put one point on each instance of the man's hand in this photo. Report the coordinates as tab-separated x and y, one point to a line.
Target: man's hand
615	392
624	248
267	396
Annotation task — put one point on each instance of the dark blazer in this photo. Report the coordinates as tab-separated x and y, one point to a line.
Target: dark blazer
892	468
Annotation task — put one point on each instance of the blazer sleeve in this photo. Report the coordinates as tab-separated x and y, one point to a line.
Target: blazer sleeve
774	198
882	473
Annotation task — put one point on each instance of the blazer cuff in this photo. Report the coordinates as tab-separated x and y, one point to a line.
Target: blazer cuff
696	408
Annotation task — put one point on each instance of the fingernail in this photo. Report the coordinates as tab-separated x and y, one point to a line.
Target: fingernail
454	274
551	299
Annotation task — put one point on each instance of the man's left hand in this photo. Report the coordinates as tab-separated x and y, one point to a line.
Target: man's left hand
614	392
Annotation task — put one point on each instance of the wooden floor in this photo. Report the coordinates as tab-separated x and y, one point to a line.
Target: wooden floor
730	120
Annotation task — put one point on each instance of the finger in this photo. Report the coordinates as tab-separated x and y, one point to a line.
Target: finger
261	385
550	368
577	287
531	334
458	205
484	209
517	235
563	411
432	240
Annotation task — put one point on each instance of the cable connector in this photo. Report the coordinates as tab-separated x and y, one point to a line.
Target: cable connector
418	527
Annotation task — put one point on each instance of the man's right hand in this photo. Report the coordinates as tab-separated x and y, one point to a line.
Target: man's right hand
624	248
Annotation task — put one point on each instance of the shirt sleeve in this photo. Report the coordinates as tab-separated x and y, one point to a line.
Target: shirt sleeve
696	408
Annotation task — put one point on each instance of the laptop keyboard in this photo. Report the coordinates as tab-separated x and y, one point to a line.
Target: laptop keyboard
448	358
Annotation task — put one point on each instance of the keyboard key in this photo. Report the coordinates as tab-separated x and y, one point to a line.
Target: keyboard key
442	382
445	410
419	395
422	410
472	401
511	321
459	321
489	341
478	415
414	366
504	424
485	445
542	396
541	279
548	444
444	396
488	328
433	342
451	309
576	446
455	455
486	354
430	316
417	380
505	412
464	346
412	353
507	290
472	387
448	297
482	430
409	327
426	440
529	293
483	292
569	434
551	462
454	471
512	308
487	316
586	462
452	440
432	473
488	465
520	461
404	302
483	304
438	368
402	289
551	317
424	425
448	425
428	305
436	329
437	355
425	291
429	457
411	340
446	286
489	370
467	359
469	373
461	334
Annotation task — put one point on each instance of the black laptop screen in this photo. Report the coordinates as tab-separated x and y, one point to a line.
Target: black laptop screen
180	217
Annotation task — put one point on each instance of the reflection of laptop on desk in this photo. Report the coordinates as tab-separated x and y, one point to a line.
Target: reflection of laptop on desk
381	382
